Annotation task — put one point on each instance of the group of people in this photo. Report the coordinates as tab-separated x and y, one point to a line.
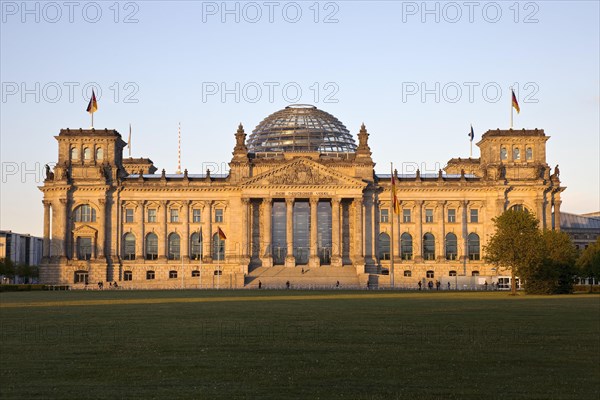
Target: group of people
438	284
110	284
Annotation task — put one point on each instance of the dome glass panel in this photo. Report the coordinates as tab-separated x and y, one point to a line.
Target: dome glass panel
301	128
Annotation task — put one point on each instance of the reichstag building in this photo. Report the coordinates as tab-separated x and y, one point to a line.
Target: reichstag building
301	203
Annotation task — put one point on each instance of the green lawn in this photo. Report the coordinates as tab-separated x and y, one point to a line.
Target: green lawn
364	346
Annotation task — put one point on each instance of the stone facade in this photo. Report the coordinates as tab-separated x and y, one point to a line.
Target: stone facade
112	219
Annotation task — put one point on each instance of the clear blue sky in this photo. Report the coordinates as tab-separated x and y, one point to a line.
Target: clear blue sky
156	66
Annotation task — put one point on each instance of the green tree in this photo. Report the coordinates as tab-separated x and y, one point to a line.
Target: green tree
516	245
556	272
7	268
589	262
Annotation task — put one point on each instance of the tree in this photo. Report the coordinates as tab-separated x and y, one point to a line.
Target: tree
517	244
589	262
556	272
7	268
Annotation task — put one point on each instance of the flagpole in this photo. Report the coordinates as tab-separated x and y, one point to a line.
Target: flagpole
393	213
511	108
92	120
129	144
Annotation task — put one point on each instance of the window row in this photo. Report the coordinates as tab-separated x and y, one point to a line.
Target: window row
428	250
87	153
431	274
384	215
516	153
173	247
151	275
152	215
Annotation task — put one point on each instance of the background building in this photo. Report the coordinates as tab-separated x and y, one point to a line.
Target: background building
301	202
20	249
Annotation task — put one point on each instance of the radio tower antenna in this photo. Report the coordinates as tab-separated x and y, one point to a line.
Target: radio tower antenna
179	150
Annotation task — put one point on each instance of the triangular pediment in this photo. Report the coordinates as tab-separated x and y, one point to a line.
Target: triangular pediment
304	172
85	230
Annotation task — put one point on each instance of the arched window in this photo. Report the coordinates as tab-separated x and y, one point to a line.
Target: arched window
129	246
529	153
218	248
407	273
428	246
384	246
195	273
74	153
516	153
475	273
452	273
451	246
84	213
151	247
99	154
174	246
84	248
406	246
503	153
87	154
196	246
519	207
474	252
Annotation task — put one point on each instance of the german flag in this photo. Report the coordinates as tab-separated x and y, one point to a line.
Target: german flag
93	104
515	103
396	204
221	234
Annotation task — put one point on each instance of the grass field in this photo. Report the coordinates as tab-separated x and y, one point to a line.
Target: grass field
290	344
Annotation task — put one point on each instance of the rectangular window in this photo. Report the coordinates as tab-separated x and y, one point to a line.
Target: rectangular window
219	215
174	213
129	215
149	275
127	276
152	215
451	215
428	215
474	215
384	215
196	213
406	215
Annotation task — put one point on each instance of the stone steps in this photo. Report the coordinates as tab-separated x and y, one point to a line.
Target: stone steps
315	278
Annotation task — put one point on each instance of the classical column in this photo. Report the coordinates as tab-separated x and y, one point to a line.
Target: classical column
207	231
500	203
46	242
314	255
358	231
140	225
395	250
185	236
66	249
464	232
57	239
101	245
290	260
548	210
336	243
162	231
245	229
418	242
557	203
441	231
265	220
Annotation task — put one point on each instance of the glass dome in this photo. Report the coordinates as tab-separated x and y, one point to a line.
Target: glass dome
300	127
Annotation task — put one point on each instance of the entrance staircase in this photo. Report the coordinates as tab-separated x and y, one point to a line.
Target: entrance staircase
324	277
